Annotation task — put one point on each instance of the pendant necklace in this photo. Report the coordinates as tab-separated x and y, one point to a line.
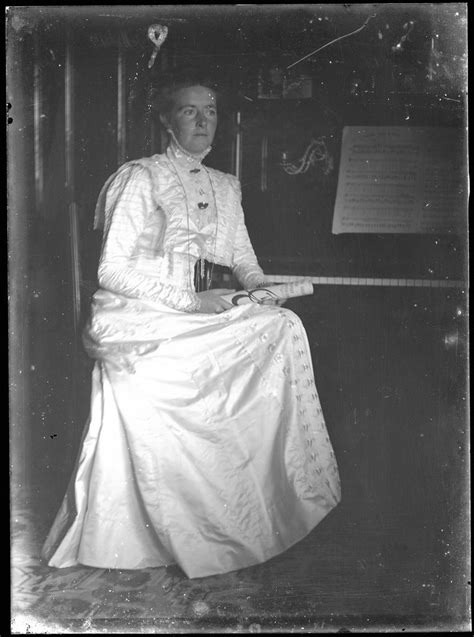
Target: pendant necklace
205	272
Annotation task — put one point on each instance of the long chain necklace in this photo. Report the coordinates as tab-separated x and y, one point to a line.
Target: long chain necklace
204	278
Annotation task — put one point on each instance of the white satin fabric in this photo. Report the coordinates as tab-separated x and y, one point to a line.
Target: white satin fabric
152	236
206	444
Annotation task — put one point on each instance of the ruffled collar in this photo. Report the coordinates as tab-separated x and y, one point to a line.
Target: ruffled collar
182	157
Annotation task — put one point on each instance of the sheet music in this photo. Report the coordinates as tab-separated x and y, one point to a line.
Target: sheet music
401	179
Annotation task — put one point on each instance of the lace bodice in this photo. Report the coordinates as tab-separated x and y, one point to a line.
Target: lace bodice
155	229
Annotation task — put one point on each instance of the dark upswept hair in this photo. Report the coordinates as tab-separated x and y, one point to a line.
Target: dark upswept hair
164	87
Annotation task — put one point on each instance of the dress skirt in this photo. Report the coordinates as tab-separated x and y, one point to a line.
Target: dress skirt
206	444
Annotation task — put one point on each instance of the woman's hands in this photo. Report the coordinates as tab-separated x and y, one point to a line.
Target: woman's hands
278	302
271	301
212	303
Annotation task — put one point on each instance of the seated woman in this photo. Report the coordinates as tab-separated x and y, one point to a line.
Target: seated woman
206	444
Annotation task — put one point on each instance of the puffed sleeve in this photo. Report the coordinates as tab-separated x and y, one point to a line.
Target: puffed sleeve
245	265
129	202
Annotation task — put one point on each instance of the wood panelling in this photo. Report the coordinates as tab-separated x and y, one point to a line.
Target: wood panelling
21	291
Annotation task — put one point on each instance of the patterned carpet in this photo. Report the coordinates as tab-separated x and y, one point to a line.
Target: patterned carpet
79	598
348	572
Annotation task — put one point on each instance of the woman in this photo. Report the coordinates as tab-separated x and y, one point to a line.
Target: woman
206	444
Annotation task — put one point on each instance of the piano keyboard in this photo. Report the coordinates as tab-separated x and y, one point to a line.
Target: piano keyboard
343	280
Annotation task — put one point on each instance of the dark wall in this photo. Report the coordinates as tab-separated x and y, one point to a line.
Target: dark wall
21	205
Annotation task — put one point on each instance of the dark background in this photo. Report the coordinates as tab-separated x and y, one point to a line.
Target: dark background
391	364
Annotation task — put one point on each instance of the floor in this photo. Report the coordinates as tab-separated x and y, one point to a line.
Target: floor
392	557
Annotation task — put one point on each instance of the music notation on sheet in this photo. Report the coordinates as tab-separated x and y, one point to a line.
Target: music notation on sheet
401	179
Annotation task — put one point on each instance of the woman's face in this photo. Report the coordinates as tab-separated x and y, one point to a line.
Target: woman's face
193	118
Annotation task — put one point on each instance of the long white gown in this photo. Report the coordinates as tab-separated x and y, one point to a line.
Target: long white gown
206	444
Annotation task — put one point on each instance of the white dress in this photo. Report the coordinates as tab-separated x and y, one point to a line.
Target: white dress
206	444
